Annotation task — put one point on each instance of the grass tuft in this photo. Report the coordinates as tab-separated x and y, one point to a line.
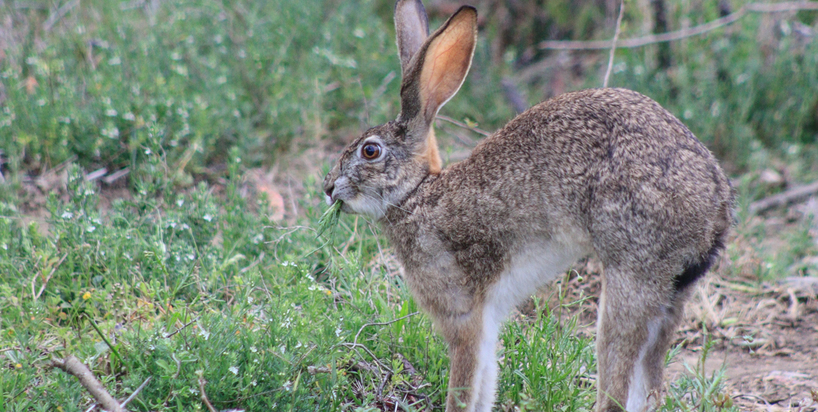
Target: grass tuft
329	220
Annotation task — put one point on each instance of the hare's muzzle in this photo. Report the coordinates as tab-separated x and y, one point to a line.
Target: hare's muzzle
328	189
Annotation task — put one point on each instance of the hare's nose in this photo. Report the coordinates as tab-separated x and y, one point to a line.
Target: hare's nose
329	188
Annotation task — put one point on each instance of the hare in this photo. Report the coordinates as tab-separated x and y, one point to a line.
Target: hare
604	171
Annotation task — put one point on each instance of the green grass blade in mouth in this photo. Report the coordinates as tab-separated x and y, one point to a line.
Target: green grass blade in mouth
329	219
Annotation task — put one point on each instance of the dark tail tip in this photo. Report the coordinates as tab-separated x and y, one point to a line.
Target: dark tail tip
696	270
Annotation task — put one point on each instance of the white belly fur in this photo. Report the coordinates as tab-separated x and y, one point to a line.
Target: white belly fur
529	270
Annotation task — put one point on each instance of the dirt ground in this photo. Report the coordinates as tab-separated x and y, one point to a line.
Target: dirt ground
765	337
768	350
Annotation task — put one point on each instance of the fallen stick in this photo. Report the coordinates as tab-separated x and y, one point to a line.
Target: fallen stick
788	197
206	401
73	366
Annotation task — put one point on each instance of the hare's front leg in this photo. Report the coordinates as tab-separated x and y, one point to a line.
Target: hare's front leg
636	321
473	361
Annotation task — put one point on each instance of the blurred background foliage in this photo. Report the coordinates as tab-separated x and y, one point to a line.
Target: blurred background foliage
88	81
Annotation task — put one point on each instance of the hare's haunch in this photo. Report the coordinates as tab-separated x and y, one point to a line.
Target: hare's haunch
605	171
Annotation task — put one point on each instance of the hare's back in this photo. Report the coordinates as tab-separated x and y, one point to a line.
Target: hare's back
628	170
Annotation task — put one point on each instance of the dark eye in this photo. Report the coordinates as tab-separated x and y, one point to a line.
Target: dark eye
371	151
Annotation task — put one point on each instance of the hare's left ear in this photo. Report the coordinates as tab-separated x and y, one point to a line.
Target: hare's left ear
411	29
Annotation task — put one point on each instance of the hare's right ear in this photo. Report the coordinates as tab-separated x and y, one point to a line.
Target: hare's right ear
438	70
411	29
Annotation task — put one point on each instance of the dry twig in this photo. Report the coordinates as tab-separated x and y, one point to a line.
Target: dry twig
613	43
136	392
73	366
463	125
59	14
788	197
683	33
50	274
206	401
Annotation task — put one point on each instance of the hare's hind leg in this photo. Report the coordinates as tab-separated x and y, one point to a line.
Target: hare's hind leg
636	321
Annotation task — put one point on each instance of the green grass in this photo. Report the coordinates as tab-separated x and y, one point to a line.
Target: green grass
182	287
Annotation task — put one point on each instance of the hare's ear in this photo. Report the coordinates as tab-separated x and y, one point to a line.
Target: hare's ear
411	29
439	69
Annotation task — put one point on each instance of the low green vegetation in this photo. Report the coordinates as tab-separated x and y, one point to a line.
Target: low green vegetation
177	287
181	287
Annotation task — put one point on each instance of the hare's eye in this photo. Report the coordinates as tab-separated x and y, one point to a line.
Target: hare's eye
371	151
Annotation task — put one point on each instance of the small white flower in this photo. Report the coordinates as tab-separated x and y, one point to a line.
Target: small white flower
207	217
90	228
233	369
253	349
287	386
180	202
111	113
129	116
67	215
282	349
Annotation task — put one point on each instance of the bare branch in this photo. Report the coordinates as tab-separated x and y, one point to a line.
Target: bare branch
463	125
182	327
680	34
51	273
613	43
793	195
61	12
136	392
73	366
206	401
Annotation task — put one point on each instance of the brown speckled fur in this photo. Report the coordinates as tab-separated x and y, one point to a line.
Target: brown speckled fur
604	171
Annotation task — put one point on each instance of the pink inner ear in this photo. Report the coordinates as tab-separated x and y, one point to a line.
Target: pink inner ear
446	63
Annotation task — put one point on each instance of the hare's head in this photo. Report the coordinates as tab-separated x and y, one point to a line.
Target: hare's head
383	166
